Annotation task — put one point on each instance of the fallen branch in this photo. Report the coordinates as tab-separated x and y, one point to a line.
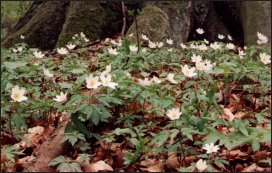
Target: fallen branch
48	150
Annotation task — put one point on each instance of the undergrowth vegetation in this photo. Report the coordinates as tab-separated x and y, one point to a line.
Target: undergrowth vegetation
184	108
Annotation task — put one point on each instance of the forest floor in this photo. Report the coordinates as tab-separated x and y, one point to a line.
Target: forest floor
154	108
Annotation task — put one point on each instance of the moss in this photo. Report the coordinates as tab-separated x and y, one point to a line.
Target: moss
153	22
93	18
44	27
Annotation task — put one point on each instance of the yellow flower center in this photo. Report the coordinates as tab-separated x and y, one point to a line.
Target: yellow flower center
174	115
17	96
91	82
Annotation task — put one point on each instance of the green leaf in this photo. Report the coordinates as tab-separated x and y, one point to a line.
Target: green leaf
56	161
14	65
161	138
243	129
255	145
65	85
77	71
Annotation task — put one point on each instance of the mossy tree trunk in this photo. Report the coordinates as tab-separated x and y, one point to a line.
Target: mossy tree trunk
50	24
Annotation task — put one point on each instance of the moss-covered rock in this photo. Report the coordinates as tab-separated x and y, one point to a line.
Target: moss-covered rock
161	20
44	27
152	22
256	16
95	19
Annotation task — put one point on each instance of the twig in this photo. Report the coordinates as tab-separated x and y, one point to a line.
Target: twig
124	20
137	32
189	22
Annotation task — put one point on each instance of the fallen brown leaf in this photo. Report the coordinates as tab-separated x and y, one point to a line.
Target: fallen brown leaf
155	168
253	168
97	166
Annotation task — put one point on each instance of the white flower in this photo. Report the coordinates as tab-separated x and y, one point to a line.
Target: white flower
86	40
208	65
20	49
169	41
173	114
82	35
71	46
145	82
62	51
156	80
200	66
189	72
47	73
22	37
131	35
14	50
221	37
17	94
204	65
159	44
112	51
152	45
106	81
61	98
229	37
193	46
211	148
170	77
206	41
170	50
266	59
261	38
92	82
215	45
107	71
230	46
202	47
196	58
200	31
183	46
241	54
119	43
144	37
38	54
133	48
201	165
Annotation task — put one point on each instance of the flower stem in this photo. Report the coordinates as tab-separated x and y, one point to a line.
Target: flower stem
10	125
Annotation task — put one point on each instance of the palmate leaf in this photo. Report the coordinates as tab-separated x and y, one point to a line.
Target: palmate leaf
73	137
161	138
14	65
11	152
56	161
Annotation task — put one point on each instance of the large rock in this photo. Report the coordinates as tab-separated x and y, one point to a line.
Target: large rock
48	24
256	16
41	25
163	20
95	19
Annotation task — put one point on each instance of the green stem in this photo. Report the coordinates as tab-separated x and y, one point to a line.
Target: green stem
10	125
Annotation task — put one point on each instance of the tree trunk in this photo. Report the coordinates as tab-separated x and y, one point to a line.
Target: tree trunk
41	25
256	16
50	24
